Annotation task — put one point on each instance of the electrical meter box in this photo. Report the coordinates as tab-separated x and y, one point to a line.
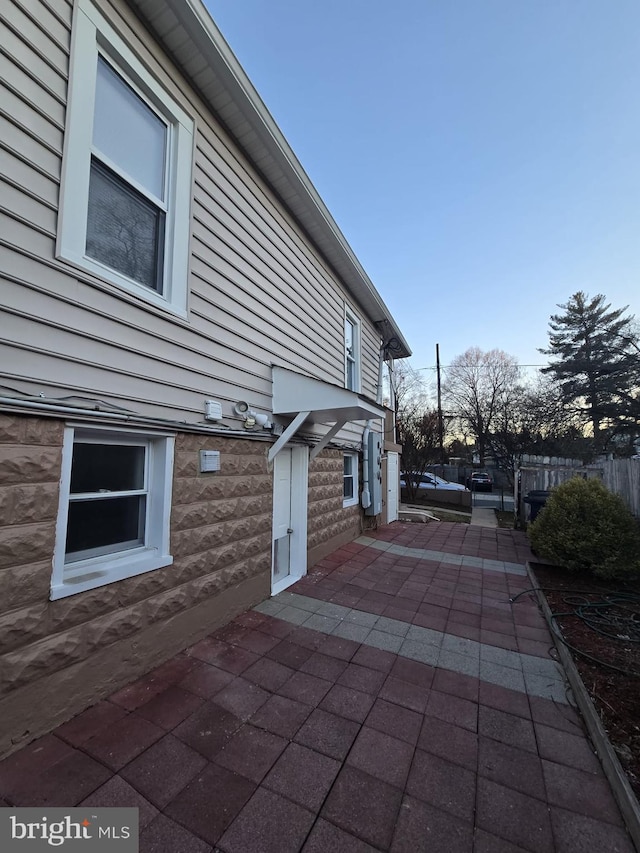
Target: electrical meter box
375	473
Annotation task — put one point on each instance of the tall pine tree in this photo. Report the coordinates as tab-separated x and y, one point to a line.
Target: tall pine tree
597	362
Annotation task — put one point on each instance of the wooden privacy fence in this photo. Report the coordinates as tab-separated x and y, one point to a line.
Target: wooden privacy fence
622	476
542	473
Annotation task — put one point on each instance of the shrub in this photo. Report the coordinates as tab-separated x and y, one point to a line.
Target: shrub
584	527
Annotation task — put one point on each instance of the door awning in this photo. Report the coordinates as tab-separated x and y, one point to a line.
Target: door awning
305	399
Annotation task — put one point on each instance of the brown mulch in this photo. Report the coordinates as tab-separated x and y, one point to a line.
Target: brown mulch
611	634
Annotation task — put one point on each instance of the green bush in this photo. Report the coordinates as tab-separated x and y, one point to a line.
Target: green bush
586	528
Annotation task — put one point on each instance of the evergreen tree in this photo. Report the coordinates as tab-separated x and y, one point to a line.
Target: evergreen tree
596	361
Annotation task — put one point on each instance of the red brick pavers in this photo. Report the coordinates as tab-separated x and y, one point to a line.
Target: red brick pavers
271	736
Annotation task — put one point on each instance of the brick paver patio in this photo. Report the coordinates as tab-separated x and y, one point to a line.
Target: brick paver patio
393	699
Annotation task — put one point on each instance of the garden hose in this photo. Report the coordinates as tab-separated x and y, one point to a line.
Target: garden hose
597	616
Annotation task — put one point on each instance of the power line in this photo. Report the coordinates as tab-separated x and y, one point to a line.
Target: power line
446	366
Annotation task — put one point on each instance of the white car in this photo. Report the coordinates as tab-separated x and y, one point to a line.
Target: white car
431	481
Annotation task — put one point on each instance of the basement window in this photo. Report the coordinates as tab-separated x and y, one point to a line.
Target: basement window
115	501
350	480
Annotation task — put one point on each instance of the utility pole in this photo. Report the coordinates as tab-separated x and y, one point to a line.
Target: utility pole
440	424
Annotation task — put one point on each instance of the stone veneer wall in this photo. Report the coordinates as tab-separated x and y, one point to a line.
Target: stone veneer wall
58	657
329	524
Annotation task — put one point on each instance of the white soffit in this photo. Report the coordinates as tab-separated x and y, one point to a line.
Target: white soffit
326	403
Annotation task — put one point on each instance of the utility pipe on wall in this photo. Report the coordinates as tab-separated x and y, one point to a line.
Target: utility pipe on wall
365	500
380	369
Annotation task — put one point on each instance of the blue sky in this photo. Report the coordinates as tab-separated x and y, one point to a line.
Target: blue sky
482	157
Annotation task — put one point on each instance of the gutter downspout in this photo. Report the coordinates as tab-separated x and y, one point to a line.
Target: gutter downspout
365	500
380	365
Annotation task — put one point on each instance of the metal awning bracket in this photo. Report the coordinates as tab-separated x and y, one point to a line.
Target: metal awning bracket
288	433
326	438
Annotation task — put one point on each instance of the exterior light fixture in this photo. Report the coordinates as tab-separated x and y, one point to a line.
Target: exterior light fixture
251	419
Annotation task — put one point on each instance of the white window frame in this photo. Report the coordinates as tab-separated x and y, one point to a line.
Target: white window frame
93	35
354	356
69	578
352	501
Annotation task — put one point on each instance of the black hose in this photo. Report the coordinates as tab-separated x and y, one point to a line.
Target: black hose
598	617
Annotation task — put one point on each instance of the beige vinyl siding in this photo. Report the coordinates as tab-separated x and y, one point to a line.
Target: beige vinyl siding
24	145
17	172
276	272
33	213
52	23
32	122
259	292
34	93
42	59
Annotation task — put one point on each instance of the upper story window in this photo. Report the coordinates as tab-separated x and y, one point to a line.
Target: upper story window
351	352
127	207
126	183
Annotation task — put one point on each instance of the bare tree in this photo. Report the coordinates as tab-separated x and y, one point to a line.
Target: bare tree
419	435
535	421
410	390
480	388
417	424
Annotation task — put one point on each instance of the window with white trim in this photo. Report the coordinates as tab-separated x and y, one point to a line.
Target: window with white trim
350	482
115	503
351	352
126	181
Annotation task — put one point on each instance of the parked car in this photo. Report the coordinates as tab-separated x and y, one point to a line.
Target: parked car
431	481
480	481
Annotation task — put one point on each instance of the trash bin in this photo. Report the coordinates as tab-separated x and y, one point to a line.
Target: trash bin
536	499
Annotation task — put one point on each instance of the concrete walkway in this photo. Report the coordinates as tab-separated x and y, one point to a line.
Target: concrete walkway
483	517
392	700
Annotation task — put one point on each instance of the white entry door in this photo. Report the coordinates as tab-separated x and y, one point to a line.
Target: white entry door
289	560
392	487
